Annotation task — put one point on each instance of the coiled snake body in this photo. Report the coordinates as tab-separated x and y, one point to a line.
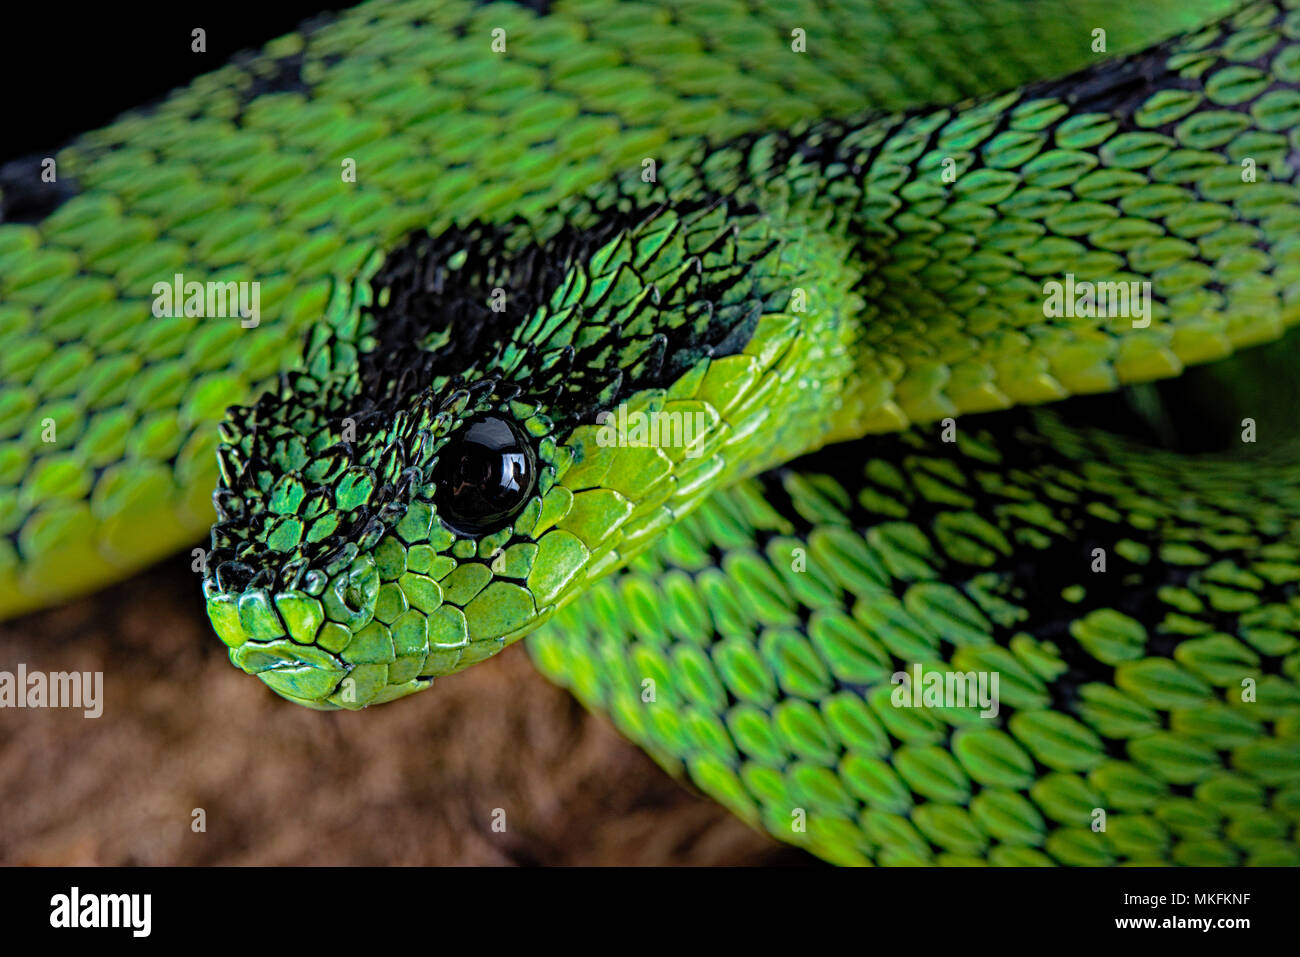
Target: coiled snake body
705	344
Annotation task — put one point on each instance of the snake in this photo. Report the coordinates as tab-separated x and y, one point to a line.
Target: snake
883	411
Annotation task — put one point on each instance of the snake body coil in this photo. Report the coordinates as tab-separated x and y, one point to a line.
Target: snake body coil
711	357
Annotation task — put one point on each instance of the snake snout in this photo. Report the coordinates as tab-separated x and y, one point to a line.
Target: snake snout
318	643
305	674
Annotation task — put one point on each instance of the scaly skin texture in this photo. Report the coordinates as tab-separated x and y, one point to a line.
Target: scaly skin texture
238	177
789	283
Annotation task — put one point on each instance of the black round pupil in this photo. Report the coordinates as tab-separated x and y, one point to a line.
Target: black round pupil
484	475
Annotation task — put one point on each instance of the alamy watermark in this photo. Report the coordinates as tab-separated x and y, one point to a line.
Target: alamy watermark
657	429
208	300
58	689
946	689
1081	299
75	909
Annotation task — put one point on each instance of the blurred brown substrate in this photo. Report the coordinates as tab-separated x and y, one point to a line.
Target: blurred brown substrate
413	782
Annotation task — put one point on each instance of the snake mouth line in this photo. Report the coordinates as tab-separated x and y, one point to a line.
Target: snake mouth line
305	675
373	634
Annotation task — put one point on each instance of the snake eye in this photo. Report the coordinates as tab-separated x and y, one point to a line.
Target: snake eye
485	474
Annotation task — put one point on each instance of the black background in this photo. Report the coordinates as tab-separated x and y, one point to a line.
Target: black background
65	70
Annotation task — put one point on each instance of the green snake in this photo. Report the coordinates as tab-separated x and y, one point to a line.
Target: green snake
712	345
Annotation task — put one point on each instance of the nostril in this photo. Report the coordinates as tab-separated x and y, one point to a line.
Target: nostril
233	577
350	597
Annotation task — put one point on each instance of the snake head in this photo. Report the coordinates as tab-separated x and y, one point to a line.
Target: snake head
370	567
453	461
